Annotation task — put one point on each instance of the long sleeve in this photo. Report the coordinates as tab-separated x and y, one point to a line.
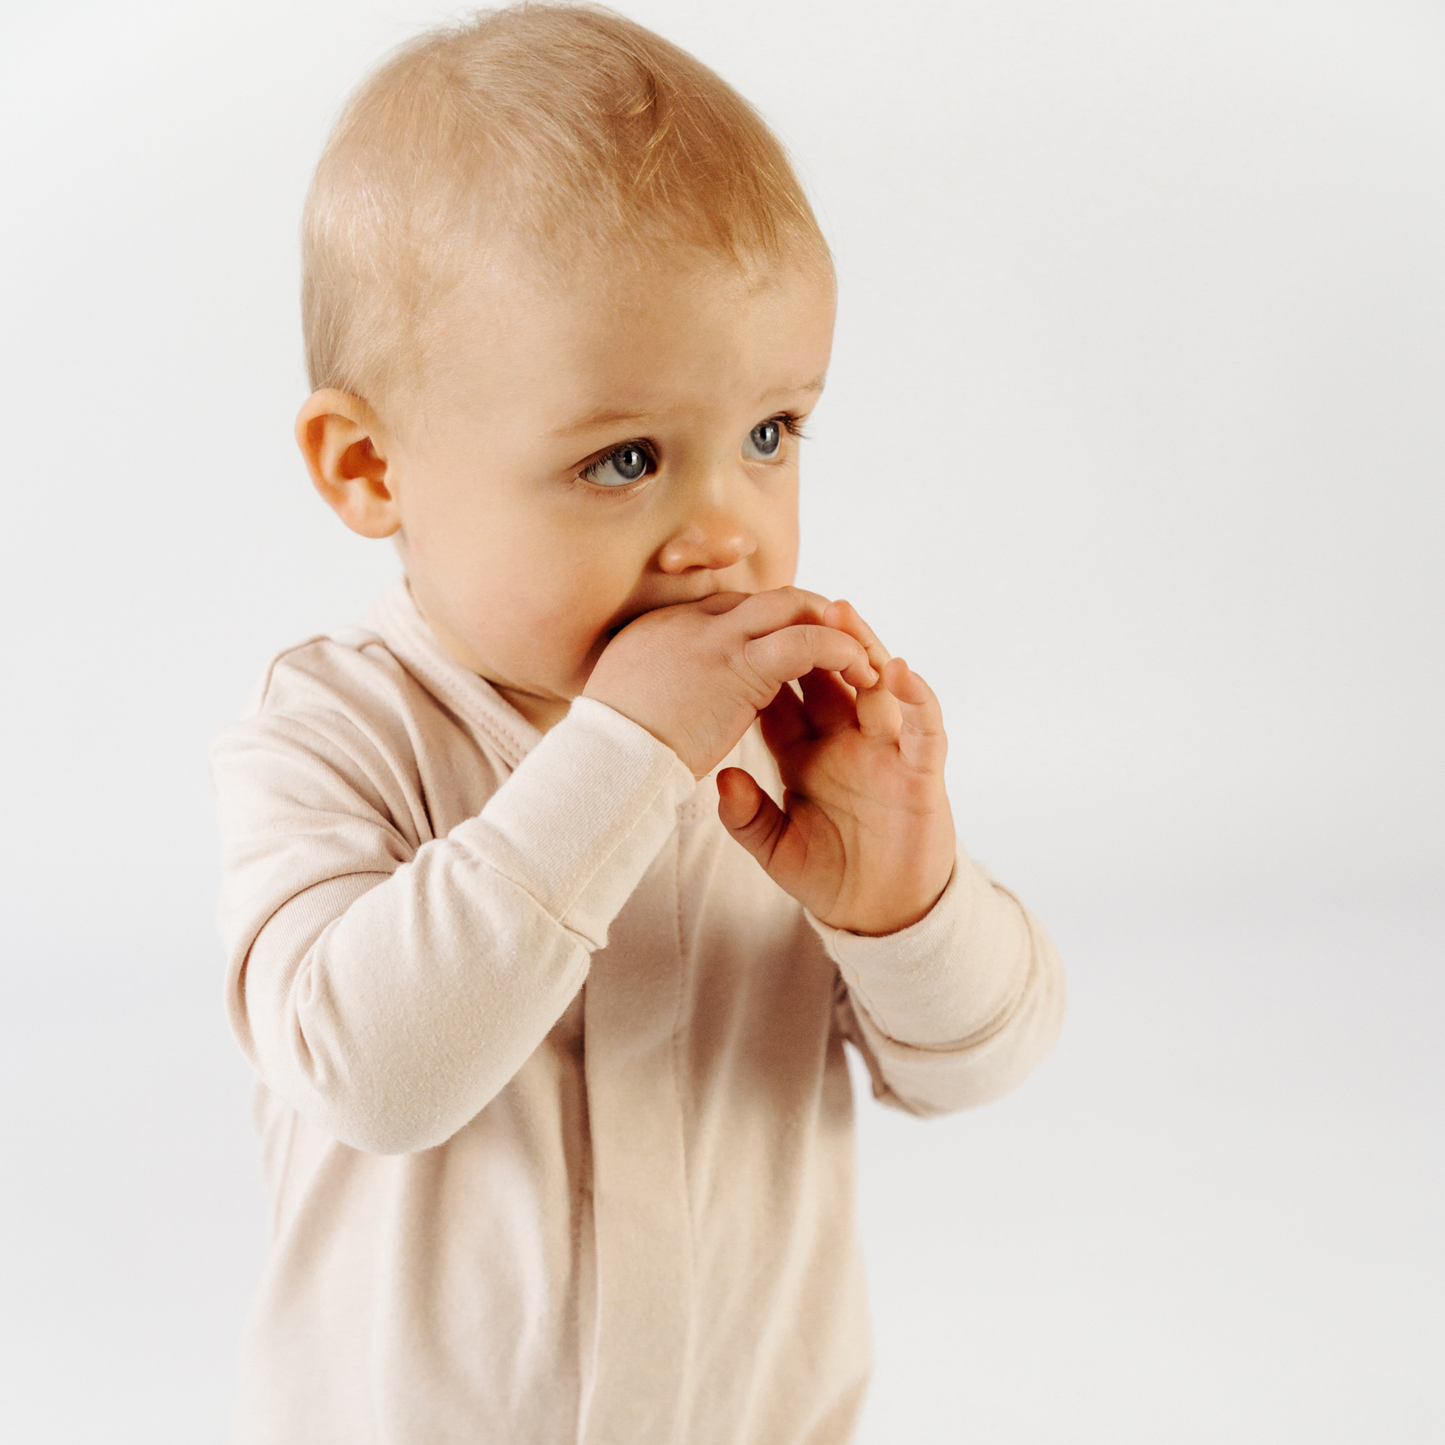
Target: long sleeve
388	987
957	1009
603	1047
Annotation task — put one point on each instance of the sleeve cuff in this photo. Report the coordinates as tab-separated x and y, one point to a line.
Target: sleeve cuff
583	816
947	978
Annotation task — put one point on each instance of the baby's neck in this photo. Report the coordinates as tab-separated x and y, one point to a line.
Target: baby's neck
542	712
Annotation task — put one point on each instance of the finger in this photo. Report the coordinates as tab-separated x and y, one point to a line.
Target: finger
844	616
790	652
828	703
877	711
779	607
784	721
922	742
749	814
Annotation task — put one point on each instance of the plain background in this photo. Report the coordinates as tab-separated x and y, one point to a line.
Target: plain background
1133	444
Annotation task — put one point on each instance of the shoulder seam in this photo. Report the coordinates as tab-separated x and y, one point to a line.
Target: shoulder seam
358	639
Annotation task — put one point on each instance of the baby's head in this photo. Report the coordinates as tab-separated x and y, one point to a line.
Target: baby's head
566	308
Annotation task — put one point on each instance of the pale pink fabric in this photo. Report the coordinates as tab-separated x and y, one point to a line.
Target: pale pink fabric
555	1119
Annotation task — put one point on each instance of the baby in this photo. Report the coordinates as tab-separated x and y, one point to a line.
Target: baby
553	893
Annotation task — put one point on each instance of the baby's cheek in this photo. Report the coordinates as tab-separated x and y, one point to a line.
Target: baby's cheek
779	546
781	565
569	640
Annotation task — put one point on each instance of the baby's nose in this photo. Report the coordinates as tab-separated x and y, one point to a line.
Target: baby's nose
715	539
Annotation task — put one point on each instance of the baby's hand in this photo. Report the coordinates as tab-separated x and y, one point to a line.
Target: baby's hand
697	674
865	836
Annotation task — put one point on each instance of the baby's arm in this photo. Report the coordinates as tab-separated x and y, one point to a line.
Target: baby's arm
957	1010
386	990
389	986
952	989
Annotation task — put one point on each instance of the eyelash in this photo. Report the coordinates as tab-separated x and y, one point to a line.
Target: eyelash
790	422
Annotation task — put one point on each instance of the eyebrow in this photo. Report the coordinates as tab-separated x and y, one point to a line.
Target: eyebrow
613	416
594	420
815	385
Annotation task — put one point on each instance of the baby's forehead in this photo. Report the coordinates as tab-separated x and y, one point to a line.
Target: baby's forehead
628	336
508	288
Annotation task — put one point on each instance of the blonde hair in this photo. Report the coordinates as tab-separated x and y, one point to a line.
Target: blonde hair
565	128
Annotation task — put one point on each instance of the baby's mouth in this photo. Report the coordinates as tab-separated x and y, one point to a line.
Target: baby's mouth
630	618
627	621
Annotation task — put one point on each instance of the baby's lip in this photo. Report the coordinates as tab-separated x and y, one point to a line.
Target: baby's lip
628	618
632	616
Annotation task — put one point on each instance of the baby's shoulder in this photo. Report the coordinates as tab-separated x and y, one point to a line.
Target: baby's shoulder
352	672
341	697
340	718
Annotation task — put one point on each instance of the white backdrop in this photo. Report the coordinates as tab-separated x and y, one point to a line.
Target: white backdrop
1133	444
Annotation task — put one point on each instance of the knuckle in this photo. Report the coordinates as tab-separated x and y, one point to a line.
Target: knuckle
750	665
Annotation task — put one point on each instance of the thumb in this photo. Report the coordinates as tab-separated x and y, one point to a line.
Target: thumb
749	814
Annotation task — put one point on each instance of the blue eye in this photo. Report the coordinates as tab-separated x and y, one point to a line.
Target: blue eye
764	440
628	464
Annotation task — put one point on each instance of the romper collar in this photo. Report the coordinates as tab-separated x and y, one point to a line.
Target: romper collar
399	623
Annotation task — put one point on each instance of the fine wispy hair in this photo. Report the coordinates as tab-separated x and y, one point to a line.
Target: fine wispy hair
560	133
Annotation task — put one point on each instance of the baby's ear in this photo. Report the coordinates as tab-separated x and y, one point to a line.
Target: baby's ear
339	435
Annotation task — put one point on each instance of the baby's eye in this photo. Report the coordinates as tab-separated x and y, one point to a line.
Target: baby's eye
629	463
763	441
